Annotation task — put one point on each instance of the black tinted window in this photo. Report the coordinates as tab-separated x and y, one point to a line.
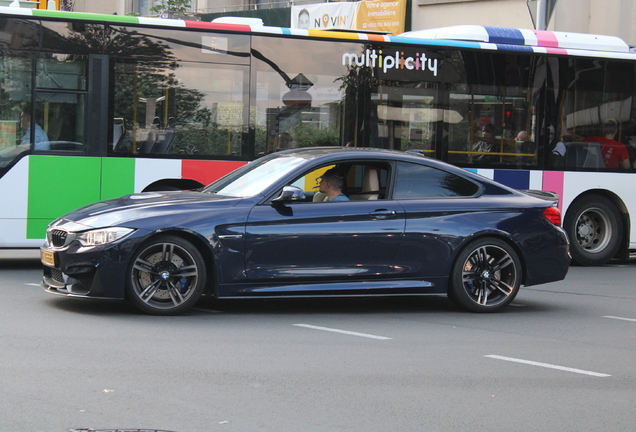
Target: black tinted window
419	181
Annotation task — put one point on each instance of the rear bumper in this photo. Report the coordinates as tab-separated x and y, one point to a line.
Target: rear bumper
550	264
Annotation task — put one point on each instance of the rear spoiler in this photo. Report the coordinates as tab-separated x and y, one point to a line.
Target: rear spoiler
548	196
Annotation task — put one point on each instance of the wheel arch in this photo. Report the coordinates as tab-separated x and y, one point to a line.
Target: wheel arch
623	251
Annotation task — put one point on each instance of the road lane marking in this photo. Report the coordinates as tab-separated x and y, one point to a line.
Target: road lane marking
350	333
547	365
33	284
532	288
620	318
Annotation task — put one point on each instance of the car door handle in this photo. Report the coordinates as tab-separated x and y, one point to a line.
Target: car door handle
383	213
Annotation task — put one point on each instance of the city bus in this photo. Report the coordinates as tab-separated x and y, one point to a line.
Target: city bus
93	107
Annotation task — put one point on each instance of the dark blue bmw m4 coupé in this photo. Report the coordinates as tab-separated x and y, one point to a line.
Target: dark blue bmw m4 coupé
402	224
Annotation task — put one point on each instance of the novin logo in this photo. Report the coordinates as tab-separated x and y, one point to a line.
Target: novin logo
327	21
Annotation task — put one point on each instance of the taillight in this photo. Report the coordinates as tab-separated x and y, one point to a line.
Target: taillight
553	215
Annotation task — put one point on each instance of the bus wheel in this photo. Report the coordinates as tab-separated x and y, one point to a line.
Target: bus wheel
486	276
166	276
595	230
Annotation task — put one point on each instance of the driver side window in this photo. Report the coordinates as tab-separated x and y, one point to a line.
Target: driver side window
364	181
310	184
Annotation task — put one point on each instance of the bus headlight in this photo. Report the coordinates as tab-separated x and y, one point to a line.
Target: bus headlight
102	236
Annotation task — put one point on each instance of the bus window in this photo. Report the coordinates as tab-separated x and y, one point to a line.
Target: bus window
15	81
300	102
344	95
178	45
196	109
592	116
406	112
61	89
62	117
72	37
495	99
19	34
61	71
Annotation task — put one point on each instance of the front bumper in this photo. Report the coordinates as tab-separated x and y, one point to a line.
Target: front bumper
52	287
97	272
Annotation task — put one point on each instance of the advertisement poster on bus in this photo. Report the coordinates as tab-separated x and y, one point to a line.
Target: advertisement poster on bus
377	15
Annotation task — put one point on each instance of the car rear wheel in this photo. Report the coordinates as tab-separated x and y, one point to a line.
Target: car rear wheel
486	276
166	276
595	230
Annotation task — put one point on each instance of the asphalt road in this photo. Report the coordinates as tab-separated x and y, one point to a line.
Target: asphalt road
561	358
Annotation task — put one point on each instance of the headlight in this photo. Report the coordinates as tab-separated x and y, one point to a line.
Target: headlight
102	236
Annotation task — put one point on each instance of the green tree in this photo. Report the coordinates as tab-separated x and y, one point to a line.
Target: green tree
310	136
180	6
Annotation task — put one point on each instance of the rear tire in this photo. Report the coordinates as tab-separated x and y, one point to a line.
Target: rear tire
486	276
166	276
594	227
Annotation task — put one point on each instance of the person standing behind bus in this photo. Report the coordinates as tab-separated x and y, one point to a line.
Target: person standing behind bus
615	154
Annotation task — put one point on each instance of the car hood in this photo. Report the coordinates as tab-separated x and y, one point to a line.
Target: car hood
125	211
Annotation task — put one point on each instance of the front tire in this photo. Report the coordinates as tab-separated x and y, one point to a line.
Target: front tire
166	276
486	276
594	226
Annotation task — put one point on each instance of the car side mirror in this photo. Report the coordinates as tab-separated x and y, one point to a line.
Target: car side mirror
289	194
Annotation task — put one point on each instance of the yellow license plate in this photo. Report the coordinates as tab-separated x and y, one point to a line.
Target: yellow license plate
48	258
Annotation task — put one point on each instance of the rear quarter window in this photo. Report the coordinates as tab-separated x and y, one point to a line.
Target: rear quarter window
415	181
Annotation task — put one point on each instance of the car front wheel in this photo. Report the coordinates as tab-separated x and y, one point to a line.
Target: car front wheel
166	276
486	276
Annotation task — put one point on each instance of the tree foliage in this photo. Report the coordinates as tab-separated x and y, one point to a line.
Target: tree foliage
309	136
180	6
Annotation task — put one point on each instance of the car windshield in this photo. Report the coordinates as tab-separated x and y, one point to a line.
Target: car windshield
255	177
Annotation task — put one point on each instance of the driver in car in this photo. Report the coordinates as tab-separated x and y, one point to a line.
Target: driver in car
332	183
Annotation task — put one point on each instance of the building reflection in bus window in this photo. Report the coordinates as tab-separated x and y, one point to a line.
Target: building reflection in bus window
345	102
304	100
197	109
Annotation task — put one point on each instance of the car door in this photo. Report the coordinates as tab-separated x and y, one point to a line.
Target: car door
442	211
324	241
